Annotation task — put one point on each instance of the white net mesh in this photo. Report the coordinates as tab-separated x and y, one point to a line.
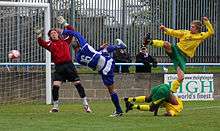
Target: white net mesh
21	82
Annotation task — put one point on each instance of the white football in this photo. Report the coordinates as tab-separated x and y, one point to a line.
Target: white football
14	54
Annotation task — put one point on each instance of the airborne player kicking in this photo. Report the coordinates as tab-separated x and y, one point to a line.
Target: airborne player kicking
189	40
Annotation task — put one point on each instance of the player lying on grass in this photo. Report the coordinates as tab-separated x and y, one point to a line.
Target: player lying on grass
99	61
188	41
160	96
64	68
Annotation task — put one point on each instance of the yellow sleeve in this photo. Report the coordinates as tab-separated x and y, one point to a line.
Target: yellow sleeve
210	29
174	33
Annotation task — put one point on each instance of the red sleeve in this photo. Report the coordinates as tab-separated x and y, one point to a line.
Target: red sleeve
43	43
69	27
68	39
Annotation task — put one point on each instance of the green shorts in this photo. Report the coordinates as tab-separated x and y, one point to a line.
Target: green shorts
161	91
178	58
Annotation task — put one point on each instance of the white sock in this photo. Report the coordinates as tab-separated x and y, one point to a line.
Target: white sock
56	104
85	101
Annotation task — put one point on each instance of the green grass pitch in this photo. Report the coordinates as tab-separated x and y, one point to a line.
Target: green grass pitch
196	116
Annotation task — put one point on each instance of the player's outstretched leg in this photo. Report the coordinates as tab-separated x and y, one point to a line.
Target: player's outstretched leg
140	107
156	43
138	99
128	105
120	44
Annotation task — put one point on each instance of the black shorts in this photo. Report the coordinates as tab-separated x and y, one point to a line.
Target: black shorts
65	72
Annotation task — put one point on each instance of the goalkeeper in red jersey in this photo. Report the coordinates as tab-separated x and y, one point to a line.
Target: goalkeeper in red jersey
189	40
64	68
160	96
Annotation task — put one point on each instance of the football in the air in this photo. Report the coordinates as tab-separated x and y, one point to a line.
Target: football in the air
14	54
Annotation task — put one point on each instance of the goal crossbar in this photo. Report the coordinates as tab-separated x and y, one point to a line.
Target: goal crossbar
24	4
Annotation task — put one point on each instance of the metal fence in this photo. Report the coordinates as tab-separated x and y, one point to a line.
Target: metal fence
130	20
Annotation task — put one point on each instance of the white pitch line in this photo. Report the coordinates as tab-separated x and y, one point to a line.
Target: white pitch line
201	108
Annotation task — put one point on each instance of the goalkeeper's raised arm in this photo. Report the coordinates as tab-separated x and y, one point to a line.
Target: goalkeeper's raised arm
38	31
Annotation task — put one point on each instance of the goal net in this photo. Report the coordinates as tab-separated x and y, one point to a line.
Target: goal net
26	79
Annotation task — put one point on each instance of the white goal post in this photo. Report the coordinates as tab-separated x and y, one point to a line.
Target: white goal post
47	26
